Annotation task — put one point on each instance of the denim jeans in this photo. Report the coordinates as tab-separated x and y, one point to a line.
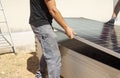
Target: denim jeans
51	58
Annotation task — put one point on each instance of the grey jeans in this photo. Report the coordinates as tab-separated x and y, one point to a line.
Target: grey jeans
51	58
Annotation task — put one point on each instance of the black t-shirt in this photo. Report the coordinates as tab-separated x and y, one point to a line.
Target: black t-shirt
39	14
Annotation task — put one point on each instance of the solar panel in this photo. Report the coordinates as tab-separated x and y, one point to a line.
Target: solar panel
94	39
97	32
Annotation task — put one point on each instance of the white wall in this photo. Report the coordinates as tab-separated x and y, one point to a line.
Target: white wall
95	9
17	11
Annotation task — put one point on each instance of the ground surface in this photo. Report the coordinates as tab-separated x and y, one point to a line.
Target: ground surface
22	65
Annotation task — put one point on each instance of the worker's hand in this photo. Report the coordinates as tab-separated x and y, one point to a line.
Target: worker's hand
70	33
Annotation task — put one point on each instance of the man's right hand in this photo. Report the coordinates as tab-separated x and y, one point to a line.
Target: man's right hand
70	33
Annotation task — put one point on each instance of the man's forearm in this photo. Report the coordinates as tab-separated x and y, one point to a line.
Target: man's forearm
58	17
55	13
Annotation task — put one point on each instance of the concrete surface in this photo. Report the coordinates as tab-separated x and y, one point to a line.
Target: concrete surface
23	42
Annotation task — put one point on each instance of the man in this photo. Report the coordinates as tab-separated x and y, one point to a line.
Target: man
41	14
115	14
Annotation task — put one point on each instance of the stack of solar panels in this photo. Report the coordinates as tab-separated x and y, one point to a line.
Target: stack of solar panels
94	39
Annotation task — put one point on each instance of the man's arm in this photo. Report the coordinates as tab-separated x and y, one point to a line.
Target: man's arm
51	4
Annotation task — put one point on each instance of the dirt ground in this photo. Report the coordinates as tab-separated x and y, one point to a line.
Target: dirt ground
22	65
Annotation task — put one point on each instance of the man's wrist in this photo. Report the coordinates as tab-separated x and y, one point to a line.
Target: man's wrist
66	27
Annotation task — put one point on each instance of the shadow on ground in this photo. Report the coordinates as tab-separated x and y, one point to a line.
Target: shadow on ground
33	63
6	53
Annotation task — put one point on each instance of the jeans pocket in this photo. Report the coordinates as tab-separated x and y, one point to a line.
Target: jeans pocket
44	36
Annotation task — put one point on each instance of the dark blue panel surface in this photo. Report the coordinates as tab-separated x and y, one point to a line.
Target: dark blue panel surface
95	39
97	32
